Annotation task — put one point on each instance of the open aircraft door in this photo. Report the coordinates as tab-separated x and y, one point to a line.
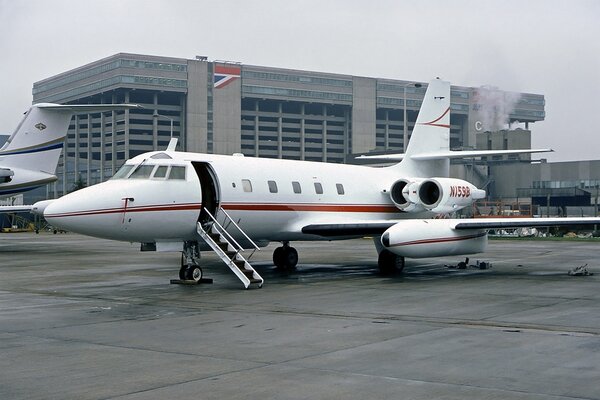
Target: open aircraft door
209	188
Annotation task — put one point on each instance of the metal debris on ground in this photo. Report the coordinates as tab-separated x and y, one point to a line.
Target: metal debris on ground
580	271
465	264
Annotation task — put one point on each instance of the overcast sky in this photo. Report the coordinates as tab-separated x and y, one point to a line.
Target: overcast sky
544	47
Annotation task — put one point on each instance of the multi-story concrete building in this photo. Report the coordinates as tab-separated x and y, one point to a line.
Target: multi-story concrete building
225	107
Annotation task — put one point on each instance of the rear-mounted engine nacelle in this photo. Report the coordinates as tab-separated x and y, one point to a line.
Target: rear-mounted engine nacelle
444	195
404	194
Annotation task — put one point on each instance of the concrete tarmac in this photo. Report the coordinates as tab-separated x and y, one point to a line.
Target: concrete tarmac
83	318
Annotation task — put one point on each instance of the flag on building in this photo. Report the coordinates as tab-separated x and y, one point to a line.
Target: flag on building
225	74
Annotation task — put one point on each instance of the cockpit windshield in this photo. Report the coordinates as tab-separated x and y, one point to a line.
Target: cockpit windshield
142	172
123	171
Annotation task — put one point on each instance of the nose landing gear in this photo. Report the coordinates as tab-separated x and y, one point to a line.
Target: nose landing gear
285	257
190	263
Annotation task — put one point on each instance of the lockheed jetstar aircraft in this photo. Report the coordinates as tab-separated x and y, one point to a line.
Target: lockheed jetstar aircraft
188	202
29	157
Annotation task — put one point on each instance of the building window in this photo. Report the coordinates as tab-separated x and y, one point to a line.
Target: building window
272	186
318	188
340	188
296	187
247	185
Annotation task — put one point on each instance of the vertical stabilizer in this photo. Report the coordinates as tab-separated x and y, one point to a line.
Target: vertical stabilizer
38	140
431	133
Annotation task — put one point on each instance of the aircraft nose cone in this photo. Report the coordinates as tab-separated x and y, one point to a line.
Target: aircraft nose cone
76	212
56	213
94	211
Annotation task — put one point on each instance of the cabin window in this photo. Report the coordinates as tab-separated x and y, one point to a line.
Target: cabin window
296	187
142	172
123	171
247	185
177	172
161	172
340	188
272	186
318	188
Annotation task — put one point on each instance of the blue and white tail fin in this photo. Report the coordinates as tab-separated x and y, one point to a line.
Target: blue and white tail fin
38	140
431	133
30	156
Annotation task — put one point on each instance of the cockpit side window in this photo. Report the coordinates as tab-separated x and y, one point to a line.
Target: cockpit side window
161	172
123	171
142	172
177	172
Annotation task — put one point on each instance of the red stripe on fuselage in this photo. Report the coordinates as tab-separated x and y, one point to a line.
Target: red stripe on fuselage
357	208
439	240
148	208
370	208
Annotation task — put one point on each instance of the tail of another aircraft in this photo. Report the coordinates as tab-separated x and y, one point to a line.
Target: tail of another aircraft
38	140
431	134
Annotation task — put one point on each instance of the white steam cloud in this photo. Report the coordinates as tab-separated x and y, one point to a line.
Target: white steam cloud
494	107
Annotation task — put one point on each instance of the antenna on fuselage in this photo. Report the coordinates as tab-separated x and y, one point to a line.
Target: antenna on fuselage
172	144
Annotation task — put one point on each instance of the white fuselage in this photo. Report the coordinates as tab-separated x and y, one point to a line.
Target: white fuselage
155	209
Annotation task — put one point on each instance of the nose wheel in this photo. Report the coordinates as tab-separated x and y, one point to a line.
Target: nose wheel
285	257
190	273
190	270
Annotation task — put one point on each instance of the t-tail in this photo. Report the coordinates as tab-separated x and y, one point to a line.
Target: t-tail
29	158
423	182
431	133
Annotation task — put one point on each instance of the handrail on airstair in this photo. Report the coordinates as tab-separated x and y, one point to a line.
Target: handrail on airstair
238	228
224	231
230	221
229	250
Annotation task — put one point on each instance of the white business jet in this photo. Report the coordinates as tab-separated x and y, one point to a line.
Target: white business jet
177	201
28	159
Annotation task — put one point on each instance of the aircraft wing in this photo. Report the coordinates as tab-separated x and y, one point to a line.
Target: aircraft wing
358	228
501	223
365	228
13	209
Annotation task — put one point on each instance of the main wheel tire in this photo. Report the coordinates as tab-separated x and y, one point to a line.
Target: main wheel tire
290	258
278	255
285	258
390	263
182	270
400	263
193	273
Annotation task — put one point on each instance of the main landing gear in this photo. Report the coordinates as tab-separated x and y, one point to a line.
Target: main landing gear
390	263
285	257
190	263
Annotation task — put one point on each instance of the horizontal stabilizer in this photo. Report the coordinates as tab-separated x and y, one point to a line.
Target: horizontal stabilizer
453	154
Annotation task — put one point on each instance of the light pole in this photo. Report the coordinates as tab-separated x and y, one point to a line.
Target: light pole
417	85
156	115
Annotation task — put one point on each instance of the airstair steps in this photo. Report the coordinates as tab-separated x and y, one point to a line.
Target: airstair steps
225	246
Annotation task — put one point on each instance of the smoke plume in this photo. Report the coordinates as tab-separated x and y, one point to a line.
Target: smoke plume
494	107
